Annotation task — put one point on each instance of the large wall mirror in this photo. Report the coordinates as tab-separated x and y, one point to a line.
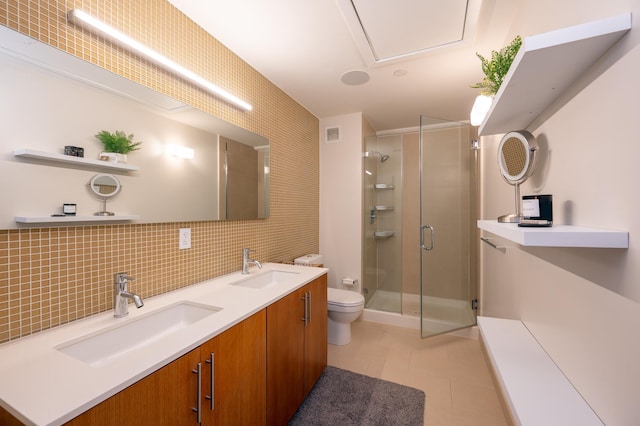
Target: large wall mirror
56	99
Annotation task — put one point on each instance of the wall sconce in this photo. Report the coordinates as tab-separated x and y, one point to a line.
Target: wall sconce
480	109
180	151
86	21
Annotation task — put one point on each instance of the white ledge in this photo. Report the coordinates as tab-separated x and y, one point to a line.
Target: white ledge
545	66
536	390
68	159
557	235
74	219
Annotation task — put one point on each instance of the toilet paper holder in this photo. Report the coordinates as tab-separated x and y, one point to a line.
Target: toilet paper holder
349	282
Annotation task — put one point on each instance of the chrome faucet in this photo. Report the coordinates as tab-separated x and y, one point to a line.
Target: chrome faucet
121	294
246	261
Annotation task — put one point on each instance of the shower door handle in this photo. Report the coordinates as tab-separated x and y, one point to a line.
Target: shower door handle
432	234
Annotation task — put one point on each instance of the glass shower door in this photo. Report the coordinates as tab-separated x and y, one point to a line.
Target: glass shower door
448	211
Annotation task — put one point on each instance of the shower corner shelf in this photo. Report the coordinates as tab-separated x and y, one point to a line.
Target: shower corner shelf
383	234
383	186
382	208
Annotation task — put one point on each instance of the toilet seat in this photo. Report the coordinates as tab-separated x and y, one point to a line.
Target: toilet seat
344	298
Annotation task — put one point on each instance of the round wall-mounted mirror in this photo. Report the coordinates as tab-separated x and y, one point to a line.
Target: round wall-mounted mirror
516	158
104	186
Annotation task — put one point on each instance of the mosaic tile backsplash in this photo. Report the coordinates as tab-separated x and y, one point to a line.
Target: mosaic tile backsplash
51	276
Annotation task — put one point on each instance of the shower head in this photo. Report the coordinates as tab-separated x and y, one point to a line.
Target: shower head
383	157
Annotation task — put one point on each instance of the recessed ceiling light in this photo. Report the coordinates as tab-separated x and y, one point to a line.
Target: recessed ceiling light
355	78
400	73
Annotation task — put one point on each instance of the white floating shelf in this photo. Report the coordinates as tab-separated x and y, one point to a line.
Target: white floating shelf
545	66
536	391
557	235
73	219
68	159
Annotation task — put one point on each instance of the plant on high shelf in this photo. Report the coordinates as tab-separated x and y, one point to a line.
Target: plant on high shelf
117	145
496	68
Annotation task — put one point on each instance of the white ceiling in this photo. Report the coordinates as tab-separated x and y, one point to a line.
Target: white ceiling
423	58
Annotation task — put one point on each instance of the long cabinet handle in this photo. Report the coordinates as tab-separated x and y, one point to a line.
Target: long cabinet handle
309	308
198	408
305	317
211	361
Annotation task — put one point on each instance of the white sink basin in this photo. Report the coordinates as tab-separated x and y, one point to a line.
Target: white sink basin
266	279
106	346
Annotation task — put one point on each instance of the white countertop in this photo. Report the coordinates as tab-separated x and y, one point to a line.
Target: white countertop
42	386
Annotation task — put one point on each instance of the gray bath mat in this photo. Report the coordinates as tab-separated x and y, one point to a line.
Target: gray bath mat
344	398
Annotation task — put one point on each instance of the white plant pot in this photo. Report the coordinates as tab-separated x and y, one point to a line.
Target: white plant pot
113	157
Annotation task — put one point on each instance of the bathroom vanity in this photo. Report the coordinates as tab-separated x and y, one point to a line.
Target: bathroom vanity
241	349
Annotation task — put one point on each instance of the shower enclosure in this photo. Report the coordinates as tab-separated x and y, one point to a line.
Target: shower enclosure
419	222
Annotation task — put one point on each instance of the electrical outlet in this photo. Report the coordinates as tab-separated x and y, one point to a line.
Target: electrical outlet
185	239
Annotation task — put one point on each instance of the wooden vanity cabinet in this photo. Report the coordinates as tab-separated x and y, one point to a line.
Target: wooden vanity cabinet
296	348
315	342
164	397
169	395
240	374
263	368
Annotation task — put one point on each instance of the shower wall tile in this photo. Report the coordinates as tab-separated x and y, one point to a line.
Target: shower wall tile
51	276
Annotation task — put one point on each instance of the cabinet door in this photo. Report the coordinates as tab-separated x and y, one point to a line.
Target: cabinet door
285	357
240	375
315	338
165	397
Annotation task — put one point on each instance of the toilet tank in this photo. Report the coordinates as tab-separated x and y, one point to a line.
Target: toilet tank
309	260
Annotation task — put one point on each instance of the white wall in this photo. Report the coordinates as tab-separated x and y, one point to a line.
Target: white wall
581	304
341	199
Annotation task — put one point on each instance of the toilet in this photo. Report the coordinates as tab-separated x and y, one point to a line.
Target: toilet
344	307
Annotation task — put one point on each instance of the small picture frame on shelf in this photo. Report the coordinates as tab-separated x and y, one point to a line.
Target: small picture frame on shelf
74	151
537	210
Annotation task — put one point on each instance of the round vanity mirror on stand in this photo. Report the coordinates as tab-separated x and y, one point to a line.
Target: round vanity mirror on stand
516	157
104	186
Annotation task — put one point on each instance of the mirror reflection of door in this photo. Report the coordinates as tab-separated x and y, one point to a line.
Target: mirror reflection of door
240	179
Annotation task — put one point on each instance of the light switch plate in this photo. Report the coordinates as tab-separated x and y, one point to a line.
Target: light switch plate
185	239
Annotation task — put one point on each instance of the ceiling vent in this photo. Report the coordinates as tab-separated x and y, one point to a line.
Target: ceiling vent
332	134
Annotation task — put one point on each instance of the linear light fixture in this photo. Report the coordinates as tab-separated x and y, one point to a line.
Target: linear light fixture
78	17
180	151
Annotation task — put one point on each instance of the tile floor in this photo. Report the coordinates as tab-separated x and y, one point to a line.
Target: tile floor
451	370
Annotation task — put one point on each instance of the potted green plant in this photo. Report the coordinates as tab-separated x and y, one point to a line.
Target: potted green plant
496	68
116	145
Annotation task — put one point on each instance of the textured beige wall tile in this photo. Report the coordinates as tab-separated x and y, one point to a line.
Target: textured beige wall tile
55	275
